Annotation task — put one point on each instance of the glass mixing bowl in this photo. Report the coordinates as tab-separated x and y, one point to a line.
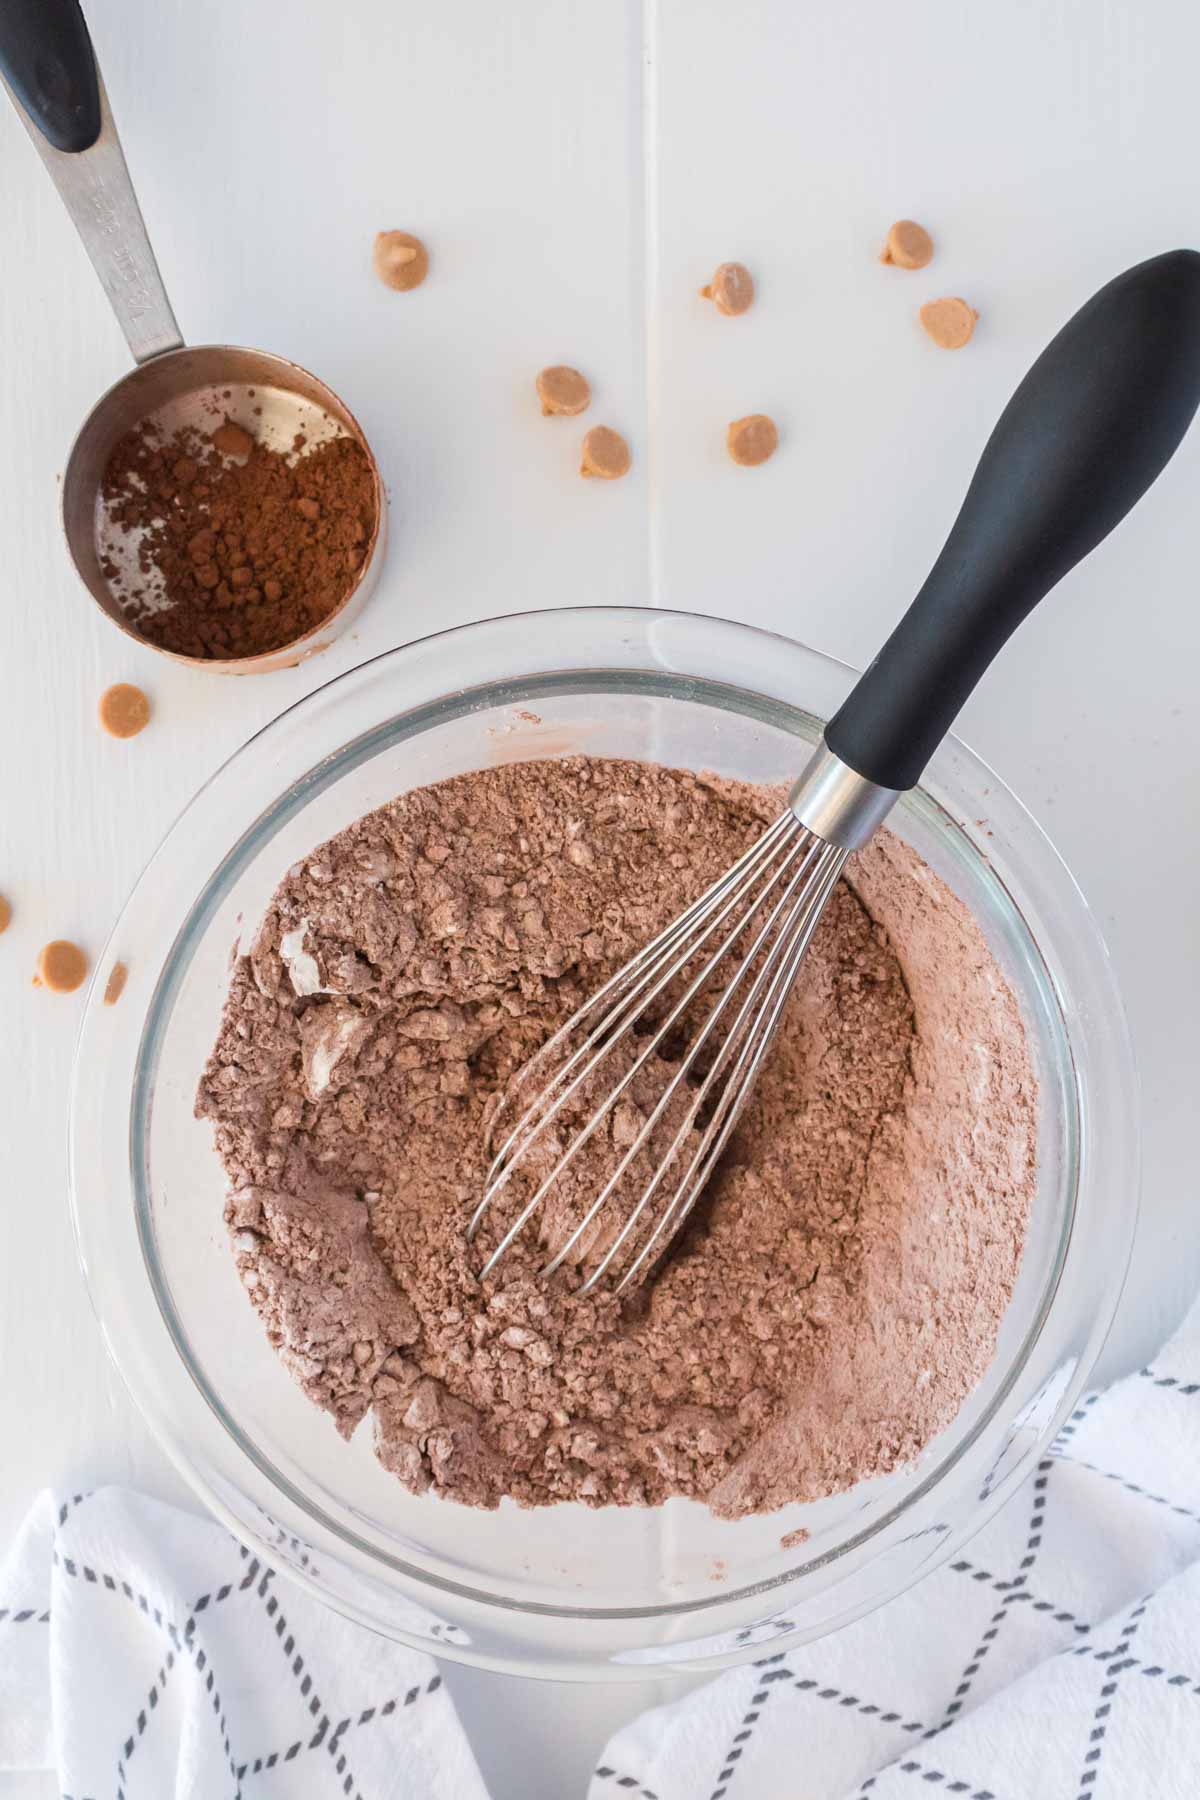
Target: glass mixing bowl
564	1591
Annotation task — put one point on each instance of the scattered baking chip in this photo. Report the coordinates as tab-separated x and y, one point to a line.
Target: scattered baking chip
5	913
114	987
909	245
563	390
752	440
949	322
401	260
731	289
61	966
124	710
606	455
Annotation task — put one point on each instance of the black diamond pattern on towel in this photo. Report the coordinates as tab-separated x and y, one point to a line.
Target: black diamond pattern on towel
289	1753
255	1582
303	1676
1074	1422
776	1673
628	1784
945	1784
1170	1381
1118	1663
773	1671
1017	1586
1108	1701
1131	1487
1061	1615
68	1506
151	1611
1121	1694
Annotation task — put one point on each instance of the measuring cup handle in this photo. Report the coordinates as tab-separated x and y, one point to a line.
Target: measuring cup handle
48	66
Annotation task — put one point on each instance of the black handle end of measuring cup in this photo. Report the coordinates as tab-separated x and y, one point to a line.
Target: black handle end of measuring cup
46	58
1091	426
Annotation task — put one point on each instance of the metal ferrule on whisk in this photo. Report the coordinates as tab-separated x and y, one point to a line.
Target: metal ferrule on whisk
838	804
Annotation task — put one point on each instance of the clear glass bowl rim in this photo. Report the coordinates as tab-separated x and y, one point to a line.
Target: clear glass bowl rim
1093	963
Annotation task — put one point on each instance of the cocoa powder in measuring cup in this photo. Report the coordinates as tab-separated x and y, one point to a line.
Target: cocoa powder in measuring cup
242	549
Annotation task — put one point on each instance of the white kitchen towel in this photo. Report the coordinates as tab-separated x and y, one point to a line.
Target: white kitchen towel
144	1655
1057	1658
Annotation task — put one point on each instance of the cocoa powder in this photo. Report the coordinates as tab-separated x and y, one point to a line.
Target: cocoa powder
241	549
835	1296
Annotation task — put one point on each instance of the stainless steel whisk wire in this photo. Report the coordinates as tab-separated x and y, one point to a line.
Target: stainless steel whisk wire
785	853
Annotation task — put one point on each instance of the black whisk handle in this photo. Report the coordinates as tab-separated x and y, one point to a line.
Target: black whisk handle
1091	426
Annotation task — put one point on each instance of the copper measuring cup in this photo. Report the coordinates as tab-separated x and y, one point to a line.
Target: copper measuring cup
49	68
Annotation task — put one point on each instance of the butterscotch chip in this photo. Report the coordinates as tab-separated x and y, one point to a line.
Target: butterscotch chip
563	390
114	987
124	710
61	966
5	913
731	289
606	455
401	260
752	440
231	440
949	322
909	245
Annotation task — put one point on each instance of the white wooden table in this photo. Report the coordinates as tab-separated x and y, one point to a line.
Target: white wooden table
577	171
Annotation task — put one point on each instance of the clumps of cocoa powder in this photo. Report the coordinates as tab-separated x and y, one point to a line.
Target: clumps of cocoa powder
838	1290
241	549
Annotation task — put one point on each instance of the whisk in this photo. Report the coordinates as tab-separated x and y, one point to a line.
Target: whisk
1088	430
